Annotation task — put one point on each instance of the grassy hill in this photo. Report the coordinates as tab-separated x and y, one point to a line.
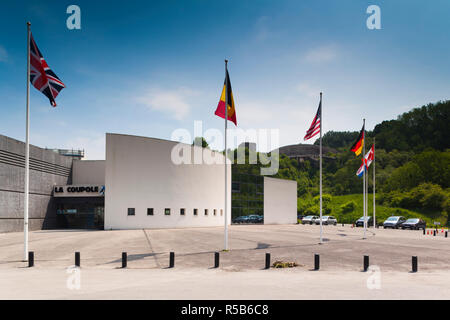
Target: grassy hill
334	206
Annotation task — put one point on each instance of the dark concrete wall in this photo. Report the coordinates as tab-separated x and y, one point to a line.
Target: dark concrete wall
47	169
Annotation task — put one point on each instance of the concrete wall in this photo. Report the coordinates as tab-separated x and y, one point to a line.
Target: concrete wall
141	175
47	169
280	201
90	172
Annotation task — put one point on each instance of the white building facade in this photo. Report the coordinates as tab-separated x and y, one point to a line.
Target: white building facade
141	184
146	189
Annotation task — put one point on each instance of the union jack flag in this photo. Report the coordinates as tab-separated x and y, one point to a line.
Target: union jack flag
315	125
41	76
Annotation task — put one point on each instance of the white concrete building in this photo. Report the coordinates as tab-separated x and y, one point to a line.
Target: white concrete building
279	204
139	186
145	189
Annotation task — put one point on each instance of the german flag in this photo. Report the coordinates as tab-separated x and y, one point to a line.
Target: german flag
220	111
359	143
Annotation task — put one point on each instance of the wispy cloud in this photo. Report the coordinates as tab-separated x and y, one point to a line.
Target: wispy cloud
262	29
321	54
308	90
3	54
174	102
290	117
93	143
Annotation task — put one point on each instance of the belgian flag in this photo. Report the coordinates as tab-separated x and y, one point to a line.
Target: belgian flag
220	111
359	143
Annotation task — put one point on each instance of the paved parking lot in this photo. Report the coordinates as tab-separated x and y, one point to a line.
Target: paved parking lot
241	269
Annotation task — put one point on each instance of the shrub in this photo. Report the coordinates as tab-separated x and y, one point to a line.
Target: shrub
284	264
326	199
348	206
433	196
312	210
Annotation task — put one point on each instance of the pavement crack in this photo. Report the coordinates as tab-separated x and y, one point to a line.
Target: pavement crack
151	248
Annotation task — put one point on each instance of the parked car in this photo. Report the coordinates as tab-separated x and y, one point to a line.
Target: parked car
309	219
241	219
327	220
300	217
254	218
414	224
393	222
360	222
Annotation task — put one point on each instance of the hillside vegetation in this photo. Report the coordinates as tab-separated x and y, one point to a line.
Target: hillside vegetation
412	168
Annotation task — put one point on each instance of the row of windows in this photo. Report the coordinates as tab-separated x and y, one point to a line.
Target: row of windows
150	211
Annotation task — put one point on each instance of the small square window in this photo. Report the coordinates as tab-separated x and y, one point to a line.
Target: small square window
131	211
206	212
195	212
215	211
149	211
167	211
182	211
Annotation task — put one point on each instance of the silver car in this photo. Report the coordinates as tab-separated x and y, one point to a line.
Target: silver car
327	220
393	222
309	219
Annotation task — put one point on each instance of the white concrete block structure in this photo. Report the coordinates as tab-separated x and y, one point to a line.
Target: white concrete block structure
280	201
145	189
88	172
137	186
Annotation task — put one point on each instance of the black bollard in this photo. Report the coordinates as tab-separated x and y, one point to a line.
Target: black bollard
424	231
267	260
124	259
414	264
31	259
172	260
446	233
216	259
77	259
434	233
316	262
366	263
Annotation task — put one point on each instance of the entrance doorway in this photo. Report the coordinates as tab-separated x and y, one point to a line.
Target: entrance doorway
80	213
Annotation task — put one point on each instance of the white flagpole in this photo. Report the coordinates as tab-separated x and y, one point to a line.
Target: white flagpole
27	153
367	196
226	157
321	125
364	177
374	216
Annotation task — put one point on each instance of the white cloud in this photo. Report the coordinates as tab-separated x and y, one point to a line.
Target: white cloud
308	90
291	116
262	30
3	54
175	102
93	144
321	54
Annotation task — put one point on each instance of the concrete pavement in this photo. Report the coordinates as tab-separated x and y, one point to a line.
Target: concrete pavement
240	275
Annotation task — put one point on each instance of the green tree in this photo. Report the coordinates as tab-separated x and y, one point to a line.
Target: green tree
200	141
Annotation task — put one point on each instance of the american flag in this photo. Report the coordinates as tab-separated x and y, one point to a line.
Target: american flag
314	129
41	76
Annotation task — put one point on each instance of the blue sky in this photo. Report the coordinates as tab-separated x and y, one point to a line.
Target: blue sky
150	67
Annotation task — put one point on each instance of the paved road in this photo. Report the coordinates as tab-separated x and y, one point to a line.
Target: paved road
240	274
219	284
